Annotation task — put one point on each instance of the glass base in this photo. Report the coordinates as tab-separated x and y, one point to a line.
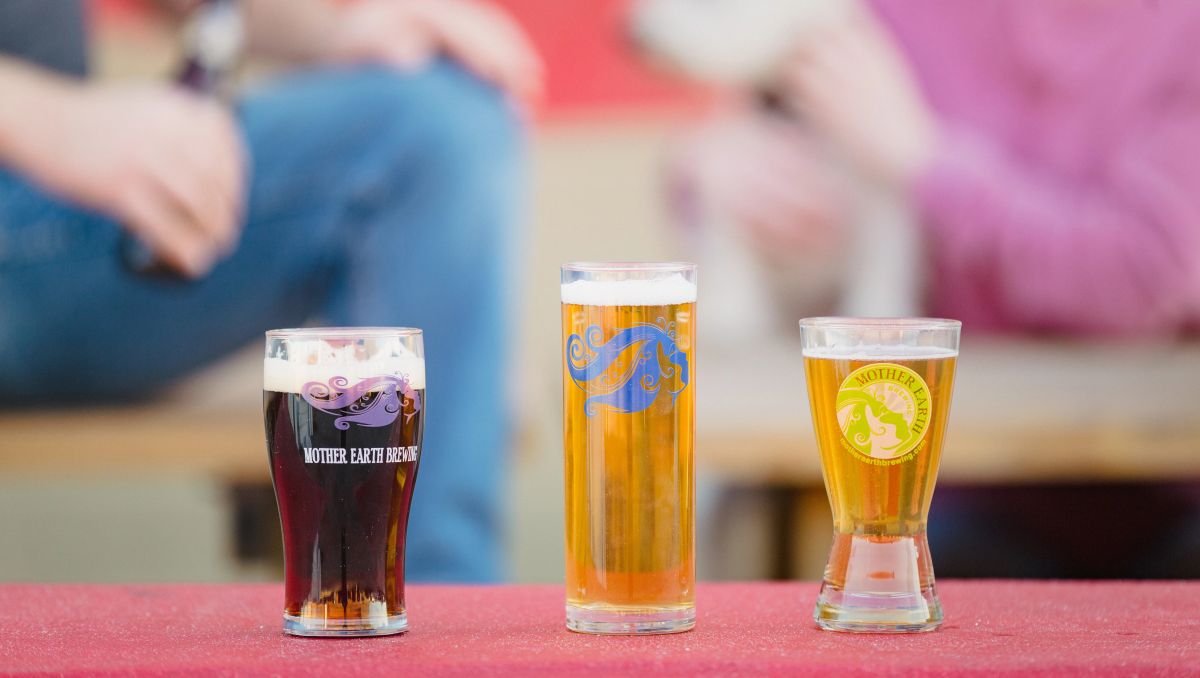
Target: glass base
878	585
631	621
876	613
315	627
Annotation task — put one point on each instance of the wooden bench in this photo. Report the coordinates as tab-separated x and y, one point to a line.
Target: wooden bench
211	424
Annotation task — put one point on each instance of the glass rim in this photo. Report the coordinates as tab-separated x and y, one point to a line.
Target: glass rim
632	266
851	323
343	332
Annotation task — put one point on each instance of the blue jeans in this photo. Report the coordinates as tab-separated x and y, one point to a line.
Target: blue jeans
376	199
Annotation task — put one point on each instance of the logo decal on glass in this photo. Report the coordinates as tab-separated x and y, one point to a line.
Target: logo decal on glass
883	411
626	372
376	401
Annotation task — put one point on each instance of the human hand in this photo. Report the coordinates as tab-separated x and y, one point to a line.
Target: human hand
851	81
166	164
764	175
408	33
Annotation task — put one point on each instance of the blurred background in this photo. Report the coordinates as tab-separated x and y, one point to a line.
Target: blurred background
1032	192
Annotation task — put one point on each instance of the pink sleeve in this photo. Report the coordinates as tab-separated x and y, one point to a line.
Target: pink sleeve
1115	252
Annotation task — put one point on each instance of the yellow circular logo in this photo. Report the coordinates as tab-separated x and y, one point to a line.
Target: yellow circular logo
883	410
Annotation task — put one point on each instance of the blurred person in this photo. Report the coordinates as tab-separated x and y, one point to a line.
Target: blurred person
738	169
1050	153
1047	147
376	183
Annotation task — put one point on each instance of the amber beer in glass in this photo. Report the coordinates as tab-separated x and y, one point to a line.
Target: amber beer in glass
629	414
879	390
344	410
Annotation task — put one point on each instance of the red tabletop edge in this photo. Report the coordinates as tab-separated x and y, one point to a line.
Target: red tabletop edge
992	628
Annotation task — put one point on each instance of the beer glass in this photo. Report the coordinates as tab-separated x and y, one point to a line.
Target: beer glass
343	409
628	410
880	396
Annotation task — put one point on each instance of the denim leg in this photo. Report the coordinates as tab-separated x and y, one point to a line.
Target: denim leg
76	315
377	197
80	326
436	229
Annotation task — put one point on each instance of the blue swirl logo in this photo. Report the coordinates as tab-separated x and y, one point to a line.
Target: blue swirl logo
626	372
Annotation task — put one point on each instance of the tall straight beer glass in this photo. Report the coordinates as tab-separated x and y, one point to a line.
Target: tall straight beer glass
628	399
344	410
880	396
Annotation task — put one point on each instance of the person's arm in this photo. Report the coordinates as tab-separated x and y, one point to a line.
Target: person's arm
165	164
1117	251
292	30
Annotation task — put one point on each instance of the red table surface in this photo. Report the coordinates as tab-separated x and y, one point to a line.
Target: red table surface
992	627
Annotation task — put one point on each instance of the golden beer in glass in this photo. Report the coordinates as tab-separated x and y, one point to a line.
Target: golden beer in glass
628	419
880	391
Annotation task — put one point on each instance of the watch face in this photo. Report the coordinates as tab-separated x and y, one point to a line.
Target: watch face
214	37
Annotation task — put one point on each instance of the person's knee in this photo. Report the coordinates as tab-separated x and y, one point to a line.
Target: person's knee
454	129
440	109
371	122
468	118
452	153
430	162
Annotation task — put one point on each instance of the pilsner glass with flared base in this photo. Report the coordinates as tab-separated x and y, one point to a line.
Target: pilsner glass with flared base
879	390
628	394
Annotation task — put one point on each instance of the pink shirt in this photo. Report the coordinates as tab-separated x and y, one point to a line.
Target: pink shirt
1066	195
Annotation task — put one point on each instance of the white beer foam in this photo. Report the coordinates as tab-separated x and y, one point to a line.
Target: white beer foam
871	352
316	360
659	292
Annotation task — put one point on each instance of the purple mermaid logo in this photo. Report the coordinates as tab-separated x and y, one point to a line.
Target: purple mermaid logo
376	401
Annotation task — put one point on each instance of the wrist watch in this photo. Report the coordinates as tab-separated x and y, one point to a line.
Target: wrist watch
213	42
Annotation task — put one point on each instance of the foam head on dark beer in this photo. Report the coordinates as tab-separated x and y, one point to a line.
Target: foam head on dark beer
319	361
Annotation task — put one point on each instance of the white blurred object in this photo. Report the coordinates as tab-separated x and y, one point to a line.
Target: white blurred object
728	41
884	265
744	43
738	302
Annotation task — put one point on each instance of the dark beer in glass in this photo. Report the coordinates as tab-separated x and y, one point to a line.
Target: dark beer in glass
343	411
